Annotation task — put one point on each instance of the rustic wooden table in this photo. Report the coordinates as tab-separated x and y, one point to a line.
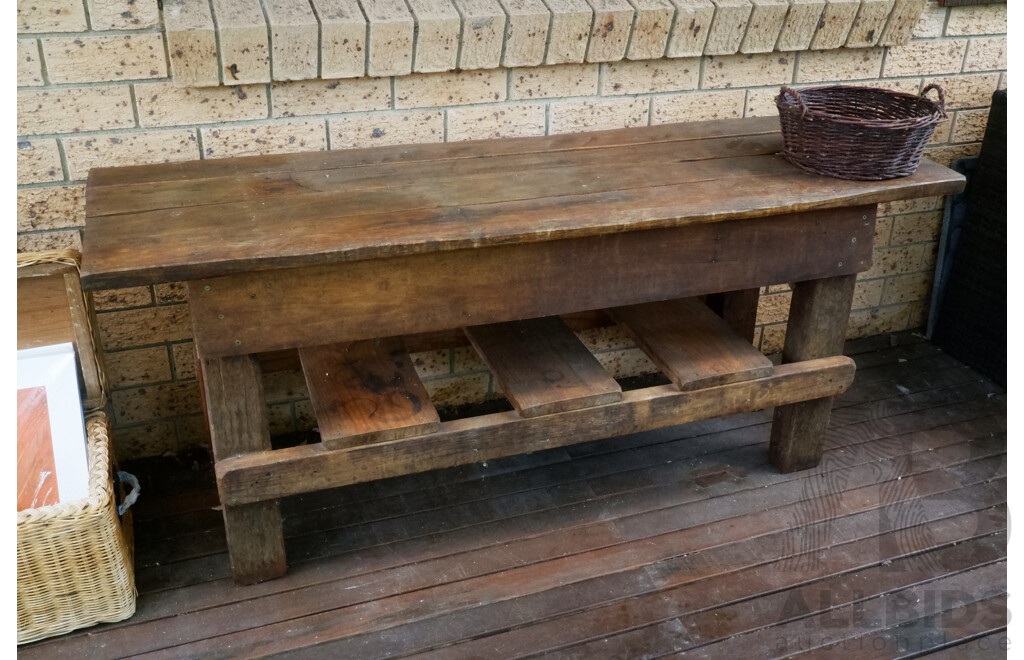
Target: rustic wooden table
341	254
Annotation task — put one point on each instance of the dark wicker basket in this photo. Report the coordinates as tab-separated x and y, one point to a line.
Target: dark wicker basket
859	133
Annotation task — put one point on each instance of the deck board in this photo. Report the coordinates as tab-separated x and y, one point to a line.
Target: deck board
679	540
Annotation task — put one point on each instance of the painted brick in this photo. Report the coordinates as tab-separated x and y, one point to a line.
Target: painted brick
946	155
52	207
438	29
607	338
391	38
314	97
458	390
911	205
801	24
294	39
111	299
895	261
870	322
149	325
123	14
942	133
764	26
165	104
613	20
867	294
835	24
690	28
141	366
697	106
907	288
284	386
342	38
773	308
191	43
432	363
748	70
986	54
1002	81
932	20
51	16
883	230
651	25
243	42
271	138
663	75
483	32
466	360
30	72
761	103
103	59
773	338
305	418
73	109
925	57
868	27
170	292
184	360
455	88
916	227
902	21
626	363
193	432
50	240
145	440
569	32
84	153
382	128
39	161
974	91
279	419
842	64
483	122
907	85
526	34
969	125
597	114
555	81
151	402
977	19
728	27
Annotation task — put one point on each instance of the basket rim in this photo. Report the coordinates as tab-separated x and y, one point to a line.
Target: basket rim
791	105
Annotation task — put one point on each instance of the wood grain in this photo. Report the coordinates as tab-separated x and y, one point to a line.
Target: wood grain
144	223
245	479
692	346
237	415
542	367
366	392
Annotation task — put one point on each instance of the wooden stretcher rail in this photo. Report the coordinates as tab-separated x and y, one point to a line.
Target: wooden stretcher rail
269	475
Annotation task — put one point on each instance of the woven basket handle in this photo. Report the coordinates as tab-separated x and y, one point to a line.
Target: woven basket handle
942	96
799	99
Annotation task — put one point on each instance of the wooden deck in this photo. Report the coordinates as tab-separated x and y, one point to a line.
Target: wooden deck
680	542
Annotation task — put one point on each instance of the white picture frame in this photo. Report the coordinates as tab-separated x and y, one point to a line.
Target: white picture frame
54	368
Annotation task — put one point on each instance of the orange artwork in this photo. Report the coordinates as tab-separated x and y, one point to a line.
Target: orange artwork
37	475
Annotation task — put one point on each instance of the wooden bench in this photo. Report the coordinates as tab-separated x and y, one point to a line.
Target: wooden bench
346	255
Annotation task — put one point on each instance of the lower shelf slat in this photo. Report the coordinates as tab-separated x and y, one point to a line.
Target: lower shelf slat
365	392
308	468
691	344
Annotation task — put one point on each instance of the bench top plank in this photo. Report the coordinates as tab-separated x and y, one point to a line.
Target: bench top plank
184	221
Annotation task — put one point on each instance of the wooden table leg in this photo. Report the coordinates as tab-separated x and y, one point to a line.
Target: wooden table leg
818	318
238	425
738	309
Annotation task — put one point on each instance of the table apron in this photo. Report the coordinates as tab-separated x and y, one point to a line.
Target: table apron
313	305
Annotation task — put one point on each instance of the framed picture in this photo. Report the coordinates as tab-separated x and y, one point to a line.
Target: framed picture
53	465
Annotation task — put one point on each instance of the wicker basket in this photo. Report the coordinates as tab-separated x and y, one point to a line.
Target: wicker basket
859	133
75	558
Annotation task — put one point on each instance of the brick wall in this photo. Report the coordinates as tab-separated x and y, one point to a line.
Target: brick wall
94	90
